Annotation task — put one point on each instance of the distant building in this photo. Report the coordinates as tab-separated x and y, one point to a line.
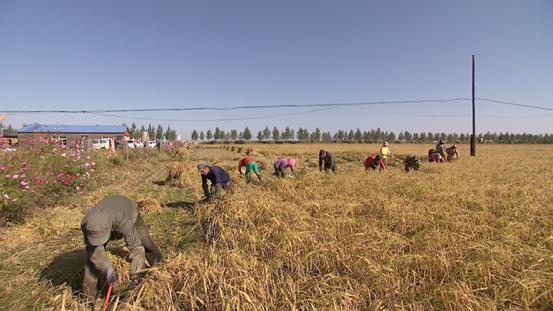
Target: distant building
70	134
8	139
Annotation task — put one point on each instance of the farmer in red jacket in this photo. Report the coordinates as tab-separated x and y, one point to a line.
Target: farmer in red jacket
250	165
374	162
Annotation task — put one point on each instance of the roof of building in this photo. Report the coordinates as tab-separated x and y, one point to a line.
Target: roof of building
96	129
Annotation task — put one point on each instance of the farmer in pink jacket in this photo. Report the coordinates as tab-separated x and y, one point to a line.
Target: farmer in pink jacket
281	164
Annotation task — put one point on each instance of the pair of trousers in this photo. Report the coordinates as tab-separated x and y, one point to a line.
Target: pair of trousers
94	280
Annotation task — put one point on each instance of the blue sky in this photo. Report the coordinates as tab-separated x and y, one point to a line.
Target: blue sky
139	54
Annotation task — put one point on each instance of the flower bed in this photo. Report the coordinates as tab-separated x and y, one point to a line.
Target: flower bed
38	176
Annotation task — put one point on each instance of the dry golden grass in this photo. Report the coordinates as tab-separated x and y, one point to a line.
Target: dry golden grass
176	176
473	234
149	206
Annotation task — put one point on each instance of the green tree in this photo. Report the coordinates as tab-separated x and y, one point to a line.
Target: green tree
132	131
316	136
233	135
327	137
247	134
170	134
209	135
358	135
202	135
159	132
276	134
260	136
351	135
151	132
266	133
195	135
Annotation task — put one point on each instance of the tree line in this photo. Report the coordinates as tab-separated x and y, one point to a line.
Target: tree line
350	136
154	132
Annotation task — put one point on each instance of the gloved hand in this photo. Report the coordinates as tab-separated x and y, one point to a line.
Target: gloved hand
111	275
138	263
154	258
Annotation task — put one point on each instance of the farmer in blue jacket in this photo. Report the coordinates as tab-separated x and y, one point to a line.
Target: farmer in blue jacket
219	178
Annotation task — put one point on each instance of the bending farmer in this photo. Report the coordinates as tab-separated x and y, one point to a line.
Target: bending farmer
412	162
250	165
452	152
113	218
326	161
281	164
374	162
219	178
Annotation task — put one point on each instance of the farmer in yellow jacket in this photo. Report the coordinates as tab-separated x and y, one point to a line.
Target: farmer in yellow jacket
385	152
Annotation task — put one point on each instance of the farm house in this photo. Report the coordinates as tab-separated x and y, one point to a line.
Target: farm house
70	134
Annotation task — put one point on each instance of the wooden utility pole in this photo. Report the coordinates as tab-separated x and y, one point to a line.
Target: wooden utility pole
473	136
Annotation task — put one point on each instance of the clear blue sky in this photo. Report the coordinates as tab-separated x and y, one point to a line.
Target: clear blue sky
137	54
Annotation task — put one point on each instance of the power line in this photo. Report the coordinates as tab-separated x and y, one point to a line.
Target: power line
514	104
328	106
214	120
418	101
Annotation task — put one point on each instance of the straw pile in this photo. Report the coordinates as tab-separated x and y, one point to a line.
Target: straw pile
149	206
177	174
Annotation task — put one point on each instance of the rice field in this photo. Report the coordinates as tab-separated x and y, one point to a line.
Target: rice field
472	234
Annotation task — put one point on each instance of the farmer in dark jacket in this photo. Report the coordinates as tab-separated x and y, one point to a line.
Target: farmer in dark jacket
219	178
113	218
326	161
412	162
440	148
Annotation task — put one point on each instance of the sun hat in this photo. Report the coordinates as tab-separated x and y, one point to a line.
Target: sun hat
292	162
201	166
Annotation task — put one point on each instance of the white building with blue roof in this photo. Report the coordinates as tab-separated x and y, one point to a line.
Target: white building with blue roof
70	134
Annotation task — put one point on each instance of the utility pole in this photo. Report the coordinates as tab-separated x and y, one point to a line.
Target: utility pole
473	136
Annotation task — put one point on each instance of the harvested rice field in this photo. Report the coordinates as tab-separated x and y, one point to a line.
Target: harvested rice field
470	234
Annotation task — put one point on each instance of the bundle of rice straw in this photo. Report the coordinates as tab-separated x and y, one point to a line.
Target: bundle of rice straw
149	206
177	176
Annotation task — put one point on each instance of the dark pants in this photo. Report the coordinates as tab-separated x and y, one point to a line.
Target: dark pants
216	189
94	280
279	171
331	167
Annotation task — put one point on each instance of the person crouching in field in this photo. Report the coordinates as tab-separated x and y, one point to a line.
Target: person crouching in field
452	152
219	178
385	152
373	162
434	156
412	162
326	161
250	165
281	164
440	148
113	218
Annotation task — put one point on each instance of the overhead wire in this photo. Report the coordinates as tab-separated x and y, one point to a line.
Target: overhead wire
215	120
324	106
395	102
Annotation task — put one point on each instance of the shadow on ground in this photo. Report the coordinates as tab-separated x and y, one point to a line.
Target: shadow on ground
66	268
187	205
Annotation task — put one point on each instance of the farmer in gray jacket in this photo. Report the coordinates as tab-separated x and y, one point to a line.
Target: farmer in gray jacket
113	218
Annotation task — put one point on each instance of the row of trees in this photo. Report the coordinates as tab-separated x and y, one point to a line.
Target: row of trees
153	132
8	130
372	136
